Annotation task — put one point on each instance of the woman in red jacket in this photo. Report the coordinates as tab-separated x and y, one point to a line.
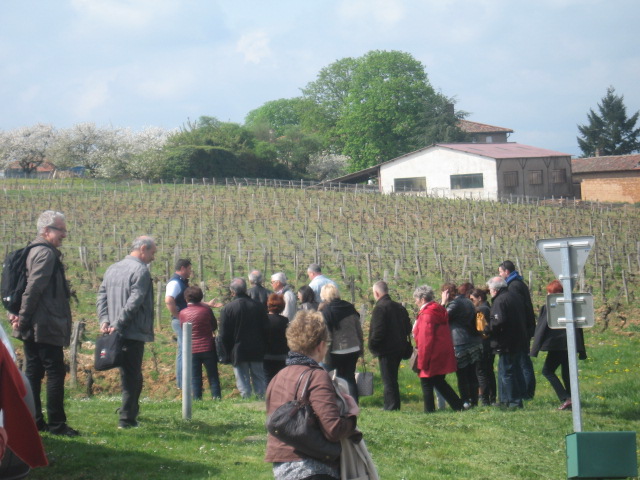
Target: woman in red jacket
436	357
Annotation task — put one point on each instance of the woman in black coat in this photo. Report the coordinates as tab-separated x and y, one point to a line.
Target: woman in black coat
277	348
485	371
554	342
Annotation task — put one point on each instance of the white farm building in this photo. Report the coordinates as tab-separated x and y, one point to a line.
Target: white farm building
474	170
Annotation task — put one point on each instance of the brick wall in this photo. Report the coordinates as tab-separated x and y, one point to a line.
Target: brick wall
611	189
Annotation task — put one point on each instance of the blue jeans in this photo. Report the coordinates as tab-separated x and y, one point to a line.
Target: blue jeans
177	329
511	379
529	377
210	361
247	373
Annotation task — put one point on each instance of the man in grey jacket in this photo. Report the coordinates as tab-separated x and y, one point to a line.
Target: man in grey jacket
44	322
125	305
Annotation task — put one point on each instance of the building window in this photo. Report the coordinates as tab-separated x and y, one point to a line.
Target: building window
535	177
410	184
559	176
510	179
472	180
489	139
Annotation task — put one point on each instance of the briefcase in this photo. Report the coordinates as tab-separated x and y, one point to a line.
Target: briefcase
108	352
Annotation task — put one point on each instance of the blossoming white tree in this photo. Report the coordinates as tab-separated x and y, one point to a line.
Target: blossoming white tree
29	146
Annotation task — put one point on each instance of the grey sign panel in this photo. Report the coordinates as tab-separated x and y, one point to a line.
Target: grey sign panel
583	316
551	250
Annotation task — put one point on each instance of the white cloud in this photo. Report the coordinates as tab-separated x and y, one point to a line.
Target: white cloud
30	93
254	46
123	13
167	84
385	12
93	94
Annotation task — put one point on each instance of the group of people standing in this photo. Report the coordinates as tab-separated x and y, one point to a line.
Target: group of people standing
252	332
462	333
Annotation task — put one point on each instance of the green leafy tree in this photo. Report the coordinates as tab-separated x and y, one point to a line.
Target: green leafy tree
384	109
441	123
610	131
327	96
378	106
276	116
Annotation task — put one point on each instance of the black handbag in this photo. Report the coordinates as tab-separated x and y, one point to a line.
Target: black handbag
408	349
295	424
223	356
108	352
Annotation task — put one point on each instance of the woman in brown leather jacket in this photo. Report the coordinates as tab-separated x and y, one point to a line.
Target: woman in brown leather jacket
307	338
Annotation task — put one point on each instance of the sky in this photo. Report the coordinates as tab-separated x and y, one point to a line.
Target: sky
536	67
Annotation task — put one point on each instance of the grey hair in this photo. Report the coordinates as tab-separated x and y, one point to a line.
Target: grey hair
238	286
381	287
142	241
279	277
496	283
47	219
424	292
315	268
256	278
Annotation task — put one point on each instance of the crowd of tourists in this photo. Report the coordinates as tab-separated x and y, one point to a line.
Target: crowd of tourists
272	338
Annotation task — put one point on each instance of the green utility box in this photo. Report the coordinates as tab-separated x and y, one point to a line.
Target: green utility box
601	455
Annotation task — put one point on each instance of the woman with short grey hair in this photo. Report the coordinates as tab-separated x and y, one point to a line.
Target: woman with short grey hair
424	292
435	349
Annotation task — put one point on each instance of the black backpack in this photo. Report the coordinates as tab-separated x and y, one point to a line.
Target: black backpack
14	277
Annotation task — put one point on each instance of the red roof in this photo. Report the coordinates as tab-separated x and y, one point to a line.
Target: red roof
475	127
503	150
43	167
614	163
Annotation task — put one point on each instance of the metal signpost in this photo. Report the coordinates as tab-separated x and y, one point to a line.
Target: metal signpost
566	257
187	360
590	455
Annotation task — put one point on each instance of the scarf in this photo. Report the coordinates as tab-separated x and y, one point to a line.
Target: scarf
295	358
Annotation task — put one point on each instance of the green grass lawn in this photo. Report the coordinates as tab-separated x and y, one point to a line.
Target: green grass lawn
226	439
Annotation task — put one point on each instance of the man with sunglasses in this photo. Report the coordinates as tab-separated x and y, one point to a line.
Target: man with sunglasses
44	322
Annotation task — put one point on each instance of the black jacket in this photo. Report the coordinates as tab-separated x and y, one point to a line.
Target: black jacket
389	328
518	286
243	329
462	321
277	336
507	330
554	339
259	294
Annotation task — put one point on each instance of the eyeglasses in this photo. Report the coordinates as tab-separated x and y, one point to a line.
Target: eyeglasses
61	230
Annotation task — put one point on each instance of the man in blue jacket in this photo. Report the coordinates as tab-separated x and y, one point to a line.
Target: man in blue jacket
174	300
515	282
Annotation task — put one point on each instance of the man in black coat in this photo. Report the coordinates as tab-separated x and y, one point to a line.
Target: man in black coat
388	332
515	283
509	340
257	292
243	332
